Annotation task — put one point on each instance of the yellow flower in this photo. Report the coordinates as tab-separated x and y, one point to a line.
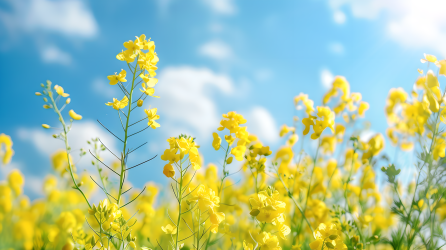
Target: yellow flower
267	241
216	142
145	44
74	115
169	229
327	237
169	170
152	116
206	198
59	91
6	143
307	122
132	46
285	129
148	90
238	152
127	56
363	106
215	218
247	246
429	58
119	104
442	65
114	79
292	140
16	181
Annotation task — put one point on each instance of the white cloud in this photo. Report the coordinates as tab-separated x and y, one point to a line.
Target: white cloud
336	48
187	102
412	23
216	50
339	17
225	7
53	54
261	123
326	78
101	86
77	137
70	17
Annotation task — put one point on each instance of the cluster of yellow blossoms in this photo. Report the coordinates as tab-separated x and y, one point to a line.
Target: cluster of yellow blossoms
146	62
179	148
6	151
297	199
232	121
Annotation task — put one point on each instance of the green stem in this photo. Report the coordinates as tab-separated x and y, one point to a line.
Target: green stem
123	154
67	147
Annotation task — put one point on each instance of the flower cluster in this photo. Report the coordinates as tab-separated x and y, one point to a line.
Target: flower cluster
6	151
232	121
178	149
317	195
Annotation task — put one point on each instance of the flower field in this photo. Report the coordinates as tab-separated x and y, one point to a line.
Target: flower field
320	190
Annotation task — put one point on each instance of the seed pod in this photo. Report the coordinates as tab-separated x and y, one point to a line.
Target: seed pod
329	245
333	237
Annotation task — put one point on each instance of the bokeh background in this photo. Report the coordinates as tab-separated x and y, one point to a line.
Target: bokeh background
215	56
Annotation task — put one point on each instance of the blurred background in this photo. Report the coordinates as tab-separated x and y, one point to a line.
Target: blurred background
215	56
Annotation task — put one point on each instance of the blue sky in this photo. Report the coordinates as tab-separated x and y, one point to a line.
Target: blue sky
215	56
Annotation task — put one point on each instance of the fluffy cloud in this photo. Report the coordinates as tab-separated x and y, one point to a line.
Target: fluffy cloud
70	17
339	17
187	100
78	136
53	54
261	123
326	78
412	23
216	50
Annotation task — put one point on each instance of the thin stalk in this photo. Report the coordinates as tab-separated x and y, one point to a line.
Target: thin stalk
125	139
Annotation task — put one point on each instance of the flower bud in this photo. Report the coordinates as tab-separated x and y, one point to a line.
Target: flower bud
229	160
45	99
38	94
41	85
140	102
132	244
48	83
68	101
80	184
333	237
45	126
330	245
54	136
46	106
254	212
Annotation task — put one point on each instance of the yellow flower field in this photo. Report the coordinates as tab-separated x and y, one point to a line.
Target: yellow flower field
318	191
